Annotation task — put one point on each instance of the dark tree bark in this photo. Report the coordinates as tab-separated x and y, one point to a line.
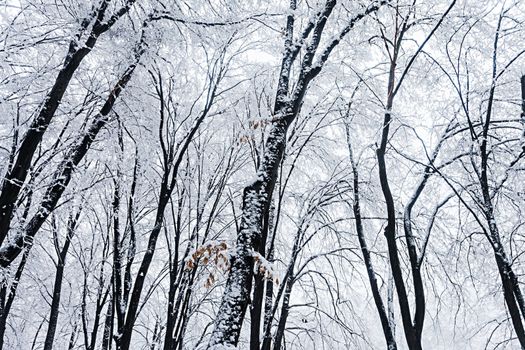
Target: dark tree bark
378	300
73	337
289	280
57	287
108	326
390	233
8	290
413	330
172	161
257	195
16	176
62	176
8	293
182	279
511	288
268	301
258	290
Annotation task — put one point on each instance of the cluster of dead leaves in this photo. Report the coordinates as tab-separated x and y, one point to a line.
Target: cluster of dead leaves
215	253
255	124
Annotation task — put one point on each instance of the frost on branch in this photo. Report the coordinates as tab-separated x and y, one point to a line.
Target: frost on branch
223	347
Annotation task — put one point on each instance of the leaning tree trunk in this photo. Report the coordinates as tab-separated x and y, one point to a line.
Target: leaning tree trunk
256	199
258	194
17	174
511	289
413	330
62	176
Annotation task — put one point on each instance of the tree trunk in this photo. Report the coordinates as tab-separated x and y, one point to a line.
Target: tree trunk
257	195
62	176
385	323
108	326
285	310
8	293
57	287
413	341
268	301
16	177
256	198
258	290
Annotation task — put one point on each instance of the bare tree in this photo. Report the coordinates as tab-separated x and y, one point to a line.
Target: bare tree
61	263
257	196
91	28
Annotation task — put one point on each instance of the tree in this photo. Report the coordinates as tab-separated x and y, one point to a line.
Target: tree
257	196
205	174
61	262
91	28
483	156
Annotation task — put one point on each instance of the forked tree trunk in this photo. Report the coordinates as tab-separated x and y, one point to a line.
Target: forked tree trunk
258	194
378	300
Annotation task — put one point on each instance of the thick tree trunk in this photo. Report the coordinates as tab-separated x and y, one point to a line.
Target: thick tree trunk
108	326
508	290
3	316
412	339
268	300
511	290
258	290
8	293
14	180
257	195
53	315
169	341
268	316
256	199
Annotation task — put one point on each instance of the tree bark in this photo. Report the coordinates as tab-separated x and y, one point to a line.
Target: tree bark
123	338
17	174
62	176
378	300
257	195
57	287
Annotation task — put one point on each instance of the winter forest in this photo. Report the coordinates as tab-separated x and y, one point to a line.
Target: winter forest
262	175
